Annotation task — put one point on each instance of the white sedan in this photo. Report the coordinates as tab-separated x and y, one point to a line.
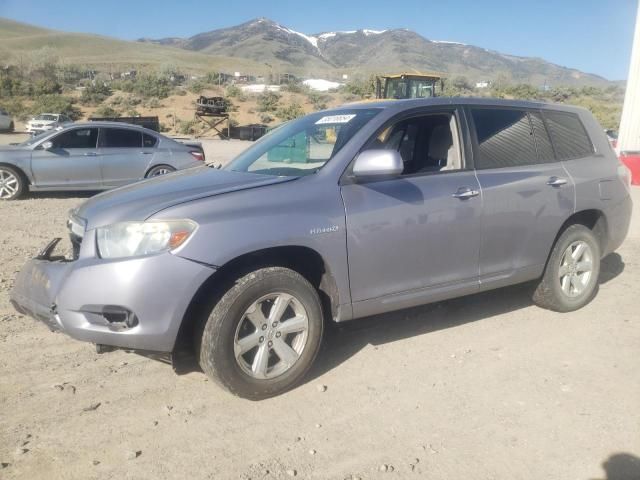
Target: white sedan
46	121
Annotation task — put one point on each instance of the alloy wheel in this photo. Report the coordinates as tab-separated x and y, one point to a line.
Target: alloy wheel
9	184
576	269
271	335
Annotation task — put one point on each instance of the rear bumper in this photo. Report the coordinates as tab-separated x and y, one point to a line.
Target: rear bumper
136	303
618	222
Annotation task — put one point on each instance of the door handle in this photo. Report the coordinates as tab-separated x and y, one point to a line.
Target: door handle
465	192
147	153
556	181
90	154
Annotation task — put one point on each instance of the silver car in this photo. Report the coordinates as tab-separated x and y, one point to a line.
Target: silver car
90	156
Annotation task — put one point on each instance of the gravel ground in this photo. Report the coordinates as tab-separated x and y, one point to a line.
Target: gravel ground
484	387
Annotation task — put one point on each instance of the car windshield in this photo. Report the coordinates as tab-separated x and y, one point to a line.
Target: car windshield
47	117
302	146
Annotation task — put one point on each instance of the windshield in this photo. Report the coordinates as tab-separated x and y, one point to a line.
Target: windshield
302	146
47	117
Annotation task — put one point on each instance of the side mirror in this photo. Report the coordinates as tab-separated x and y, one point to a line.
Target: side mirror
48	145
378	163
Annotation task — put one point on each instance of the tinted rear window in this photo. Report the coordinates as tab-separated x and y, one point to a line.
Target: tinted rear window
543	142
569	137
120	138
149	140
505	138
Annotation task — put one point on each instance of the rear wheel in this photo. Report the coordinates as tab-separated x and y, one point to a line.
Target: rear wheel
12	183
160	170
570	279
263	334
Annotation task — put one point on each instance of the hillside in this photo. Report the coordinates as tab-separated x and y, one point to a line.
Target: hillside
18	40
370	51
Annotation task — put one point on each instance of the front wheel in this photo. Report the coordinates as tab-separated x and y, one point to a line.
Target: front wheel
570	279
263	334
12	184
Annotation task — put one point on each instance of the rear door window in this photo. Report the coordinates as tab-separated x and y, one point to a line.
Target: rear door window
120	138
543	142
568	135
76	138
505	138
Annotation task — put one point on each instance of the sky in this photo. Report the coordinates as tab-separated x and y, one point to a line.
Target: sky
592	36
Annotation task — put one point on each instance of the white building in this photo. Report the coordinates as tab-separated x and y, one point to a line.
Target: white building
629	135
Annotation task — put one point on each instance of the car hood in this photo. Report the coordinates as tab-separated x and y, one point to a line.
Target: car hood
139	201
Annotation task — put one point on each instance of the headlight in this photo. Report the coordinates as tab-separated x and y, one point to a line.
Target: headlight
131	239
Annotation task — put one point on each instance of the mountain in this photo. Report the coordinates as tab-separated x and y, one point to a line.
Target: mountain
371	51
19	40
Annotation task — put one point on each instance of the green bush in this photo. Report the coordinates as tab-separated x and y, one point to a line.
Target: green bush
268	101
55	104
187	127
95	94
146	85
265	118
296	87
15	107
290	112
361	88
318	100
197	87
233	91
46	86
106	111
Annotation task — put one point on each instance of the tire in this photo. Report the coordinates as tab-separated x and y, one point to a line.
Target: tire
232	327
565	285
159	170
12	183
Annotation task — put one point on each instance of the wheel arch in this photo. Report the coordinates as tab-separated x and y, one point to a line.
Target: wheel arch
594	219
304	260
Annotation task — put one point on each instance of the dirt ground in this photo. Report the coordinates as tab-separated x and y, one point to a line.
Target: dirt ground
484	387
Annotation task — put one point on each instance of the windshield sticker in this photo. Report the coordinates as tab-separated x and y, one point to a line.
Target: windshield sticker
335	119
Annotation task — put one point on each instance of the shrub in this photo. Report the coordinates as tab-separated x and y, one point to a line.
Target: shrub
55	104
233	91
268	101
95	94
197	87
15	107
290	112
318	100
188	127
152	86
266	118
296	87
46	86
106	111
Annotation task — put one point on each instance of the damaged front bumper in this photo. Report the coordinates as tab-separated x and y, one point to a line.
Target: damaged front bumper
133	303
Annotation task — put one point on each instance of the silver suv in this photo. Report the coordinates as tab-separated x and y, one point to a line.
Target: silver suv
337	215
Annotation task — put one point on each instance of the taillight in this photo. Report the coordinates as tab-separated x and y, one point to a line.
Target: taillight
198	155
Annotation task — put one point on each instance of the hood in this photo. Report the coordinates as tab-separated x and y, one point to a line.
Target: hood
139	201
